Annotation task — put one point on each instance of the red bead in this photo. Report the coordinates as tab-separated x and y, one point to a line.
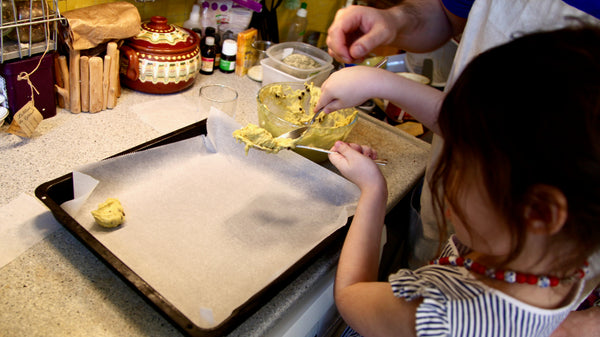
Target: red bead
476	267
501	275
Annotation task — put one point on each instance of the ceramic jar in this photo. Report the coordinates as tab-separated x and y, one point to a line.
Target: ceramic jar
161	59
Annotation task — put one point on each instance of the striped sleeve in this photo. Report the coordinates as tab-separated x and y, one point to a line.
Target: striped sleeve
454	305
436	285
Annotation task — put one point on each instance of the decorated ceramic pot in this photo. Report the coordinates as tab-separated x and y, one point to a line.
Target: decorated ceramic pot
161	59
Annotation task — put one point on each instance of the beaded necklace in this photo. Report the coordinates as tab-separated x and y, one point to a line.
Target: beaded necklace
510	276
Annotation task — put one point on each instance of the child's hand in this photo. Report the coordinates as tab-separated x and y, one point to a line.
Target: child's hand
346	88
355	162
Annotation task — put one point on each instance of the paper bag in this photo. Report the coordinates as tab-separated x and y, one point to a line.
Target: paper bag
94	25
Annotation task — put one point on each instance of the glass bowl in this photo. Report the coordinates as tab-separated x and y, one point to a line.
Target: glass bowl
285	106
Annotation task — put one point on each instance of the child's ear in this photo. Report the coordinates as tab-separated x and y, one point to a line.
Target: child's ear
545	210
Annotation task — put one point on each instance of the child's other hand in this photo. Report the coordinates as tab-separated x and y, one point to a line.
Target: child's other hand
346	88
356	163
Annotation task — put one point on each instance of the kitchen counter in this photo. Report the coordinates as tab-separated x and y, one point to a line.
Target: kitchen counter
58	287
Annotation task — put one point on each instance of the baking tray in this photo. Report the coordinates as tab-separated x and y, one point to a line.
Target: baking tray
55	192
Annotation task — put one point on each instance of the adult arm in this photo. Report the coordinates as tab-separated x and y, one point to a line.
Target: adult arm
413	25
583	323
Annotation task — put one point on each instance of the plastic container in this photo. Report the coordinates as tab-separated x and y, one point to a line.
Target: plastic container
279	51
193	23
442	59
271	74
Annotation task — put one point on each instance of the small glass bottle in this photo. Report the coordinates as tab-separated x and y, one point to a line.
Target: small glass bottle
227	64
208	31
297	28
208	56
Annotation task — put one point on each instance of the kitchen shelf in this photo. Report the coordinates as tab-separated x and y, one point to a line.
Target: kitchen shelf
44	13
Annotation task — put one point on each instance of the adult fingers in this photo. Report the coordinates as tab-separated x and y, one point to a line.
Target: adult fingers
342	33
363	45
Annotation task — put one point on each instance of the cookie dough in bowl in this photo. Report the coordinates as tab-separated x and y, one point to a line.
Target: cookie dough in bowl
285	106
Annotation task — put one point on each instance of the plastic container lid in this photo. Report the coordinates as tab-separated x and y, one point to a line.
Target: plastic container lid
279	51
271	74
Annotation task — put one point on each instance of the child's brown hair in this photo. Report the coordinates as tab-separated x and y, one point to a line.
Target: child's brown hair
528	113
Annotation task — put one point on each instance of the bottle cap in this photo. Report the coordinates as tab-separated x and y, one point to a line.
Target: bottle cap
229	47
210	40
302	11
210	31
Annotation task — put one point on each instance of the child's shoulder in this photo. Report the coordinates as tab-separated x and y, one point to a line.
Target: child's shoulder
450	291
438	282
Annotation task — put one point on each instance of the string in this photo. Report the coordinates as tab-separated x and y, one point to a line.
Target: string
26	76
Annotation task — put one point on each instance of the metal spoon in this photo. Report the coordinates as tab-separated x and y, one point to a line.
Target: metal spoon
297	133
377	161
381	162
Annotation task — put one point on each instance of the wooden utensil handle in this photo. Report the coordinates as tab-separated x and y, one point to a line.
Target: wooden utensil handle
75	89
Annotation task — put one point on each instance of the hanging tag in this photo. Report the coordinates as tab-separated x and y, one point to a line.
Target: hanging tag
25	120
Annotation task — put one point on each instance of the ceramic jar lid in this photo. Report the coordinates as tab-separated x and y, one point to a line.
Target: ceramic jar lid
159	36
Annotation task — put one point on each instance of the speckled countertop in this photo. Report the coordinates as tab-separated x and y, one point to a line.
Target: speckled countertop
58	287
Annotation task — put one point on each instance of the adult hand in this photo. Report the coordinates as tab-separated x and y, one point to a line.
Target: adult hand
414	25
356	30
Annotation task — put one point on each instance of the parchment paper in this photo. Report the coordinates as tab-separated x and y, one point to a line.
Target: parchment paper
207	226
24	222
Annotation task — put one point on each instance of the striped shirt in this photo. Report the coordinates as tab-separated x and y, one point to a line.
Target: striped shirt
457	304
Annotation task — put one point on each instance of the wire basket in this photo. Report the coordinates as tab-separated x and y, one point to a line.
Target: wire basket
28	28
